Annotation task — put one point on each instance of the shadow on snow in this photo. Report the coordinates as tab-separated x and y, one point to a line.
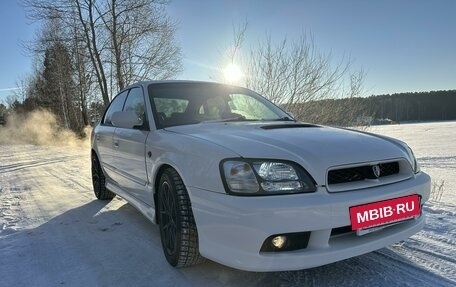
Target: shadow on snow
95	245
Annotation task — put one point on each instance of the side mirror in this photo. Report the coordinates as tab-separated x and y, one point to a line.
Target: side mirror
126	119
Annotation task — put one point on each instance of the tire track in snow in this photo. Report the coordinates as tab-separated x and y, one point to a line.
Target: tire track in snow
432	253
439	246
30	164
400	267
428	261
23	176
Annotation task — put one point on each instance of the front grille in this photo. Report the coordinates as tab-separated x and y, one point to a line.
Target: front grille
389	168
363	172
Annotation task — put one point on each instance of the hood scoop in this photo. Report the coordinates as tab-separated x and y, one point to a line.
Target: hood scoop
288	126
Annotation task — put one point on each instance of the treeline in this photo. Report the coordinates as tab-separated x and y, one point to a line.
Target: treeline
418	106
402	107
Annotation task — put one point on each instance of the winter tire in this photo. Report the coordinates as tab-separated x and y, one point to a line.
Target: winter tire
179	235
99	181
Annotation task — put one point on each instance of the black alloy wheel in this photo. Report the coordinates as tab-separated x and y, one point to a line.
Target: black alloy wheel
99	181
168	218
179	235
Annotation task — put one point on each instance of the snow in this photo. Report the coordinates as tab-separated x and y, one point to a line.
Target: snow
434	145
54	232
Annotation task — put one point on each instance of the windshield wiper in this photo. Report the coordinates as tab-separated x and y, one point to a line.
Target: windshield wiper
244	119
284	119
236	119
233	119
240	119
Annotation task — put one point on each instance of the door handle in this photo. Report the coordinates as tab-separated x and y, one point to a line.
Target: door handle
116	144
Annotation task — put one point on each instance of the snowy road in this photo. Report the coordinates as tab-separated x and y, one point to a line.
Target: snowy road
53	232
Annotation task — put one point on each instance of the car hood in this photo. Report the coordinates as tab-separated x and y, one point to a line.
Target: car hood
316	148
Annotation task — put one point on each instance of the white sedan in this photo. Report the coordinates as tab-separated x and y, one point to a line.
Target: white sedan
231	177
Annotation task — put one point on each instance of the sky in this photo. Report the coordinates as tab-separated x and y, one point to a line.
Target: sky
403	46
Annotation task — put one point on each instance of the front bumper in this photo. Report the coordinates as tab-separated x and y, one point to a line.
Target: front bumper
232	229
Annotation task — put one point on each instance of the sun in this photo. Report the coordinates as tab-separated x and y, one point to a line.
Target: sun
232	73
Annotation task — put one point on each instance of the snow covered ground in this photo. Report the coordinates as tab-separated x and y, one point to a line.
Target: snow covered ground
53	231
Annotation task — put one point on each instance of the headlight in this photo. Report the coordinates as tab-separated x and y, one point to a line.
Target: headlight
240	177
275	171
264	177
415	165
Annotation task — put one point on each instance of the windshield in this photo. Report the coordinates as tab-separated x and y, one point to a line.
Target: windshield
176	104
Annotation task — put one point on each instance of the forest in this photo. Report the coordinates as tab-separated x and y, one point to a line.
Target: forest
384	109
418	106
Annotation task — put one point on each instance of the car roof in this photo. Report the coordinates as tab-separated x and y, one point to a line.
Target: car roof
147	83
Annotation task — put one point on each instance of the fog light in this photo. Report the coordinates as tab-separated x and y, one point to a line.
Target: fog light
279	241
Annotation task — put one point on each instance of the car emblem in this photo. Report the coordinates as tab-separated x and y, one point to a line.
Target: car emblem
376	170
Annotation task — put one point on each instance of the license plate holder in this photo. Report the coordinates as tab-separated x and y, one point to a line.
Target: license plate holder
366	218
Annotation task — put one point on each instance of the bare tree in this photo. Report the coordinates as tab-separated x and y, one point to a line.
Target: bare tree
142	41
295	74
132	39
21	84
83	79
346	110
88	20
238	40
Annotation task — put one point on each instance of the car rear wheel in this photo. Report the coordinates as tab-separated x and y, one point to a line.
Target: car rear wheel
179	235
99	181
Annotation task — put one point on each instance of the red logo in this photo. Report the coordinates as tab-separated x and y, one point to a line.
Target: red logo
384	212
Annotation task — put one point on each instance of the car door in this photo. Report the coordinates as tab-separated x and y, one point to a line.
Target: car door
104	135
130	150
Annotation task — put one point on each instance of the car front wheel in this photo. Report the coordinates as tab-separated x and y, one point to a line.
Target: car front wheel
179	235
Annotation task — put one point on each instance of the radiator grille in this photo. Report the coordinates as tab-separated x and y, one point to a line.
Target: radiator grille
364	172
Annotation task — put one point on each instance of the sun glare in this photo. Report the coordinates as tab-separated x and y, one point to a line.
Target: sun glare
232	73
